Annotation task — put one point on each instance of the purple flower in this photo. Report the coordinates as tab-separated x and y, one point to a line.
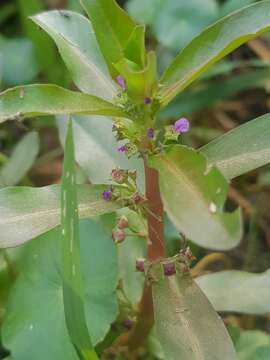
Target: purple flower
107	195
150	133
122	149
147	101
121	82
169	269
181	125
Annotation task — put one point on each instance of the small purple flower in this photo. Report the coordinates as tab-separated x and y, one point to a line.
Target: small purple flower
118	236
169	269
147	101
150	133
122	149
121	82
181	125
107	195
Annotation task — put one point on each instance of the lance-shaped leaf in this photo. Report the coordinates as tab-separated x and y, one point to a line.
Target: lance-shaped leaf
21	160
38	100
212	45
27	212
73	292
113	28
242	149
76	41
194	197
244	292
187	325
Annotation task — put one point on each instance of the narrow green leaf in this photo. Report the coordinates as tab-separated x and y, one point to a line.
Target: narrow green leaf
212	45
38	100
73	292
21	160
113	28
78	47
187	325
194	197
242	149
207	95
27	212
244	292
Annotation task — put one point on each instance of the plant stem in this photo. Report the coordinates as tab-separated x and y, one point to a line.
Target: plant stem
156	250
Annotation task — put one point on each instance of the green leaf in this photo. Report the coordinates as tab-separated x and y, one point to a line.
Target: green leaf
113	28
27	212
78	47
207	95
21	69
135	49
21	160
212	45
38	100
73	292
36	310
144	12
194	196
95	144
242	149
237	291
187	325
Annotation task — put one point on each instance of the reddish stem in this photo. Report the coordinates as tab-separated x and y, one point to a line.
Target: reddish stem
156	250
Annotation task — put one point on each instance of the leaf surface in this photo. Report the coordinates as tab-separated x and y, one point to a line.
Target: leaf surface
194	196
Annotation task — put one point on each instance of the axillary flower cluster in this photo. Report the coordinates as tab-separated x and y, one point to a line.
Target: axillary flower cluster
139	136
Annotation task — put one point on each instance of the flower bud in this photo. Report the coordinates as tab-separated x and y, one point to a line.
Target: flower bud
137	198
118	236
169	269
122	223
119	175
140	262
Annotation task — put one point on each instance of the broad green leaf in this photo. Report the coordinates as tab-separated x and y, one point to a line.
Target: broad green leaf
237	291
113	28
20	161
212	45
95	144
36	311
78	47
242	149
135	49
42	44
38	100
21	69
187	325
73	290
194	196
27	212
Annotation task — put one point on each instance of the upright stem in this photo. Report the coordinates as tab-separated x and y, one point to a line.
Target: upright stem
156	250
